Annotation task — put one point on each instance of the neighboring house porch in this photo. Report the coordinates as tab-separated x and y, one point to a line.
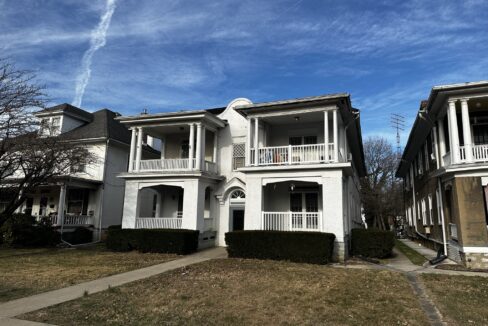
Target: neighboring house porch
67	204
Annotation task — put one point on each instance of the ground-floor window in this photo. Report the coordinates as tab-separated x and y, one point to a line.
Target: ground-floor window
77	201
304	202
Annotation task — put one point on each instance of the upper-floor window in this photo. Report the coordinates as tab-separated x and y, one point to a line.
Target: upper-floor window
238	155
302	140
420	163
50	126
185	149
426	153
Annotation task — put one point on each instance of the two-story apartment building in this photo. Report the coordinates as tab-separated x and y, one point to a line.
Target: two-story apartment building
91	195
291	165
445	172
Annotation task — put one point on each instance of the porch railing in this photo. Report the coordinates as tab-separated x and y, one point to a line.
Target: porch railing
173	164
292	221
158	223
70	219
480	153
453	231
293	154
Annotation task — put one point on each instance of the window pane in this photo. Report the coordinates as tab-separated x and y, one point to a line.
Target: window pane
296	202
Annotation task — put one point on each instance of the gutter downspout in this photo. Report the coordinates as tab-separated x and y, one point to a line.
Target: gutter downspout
442	216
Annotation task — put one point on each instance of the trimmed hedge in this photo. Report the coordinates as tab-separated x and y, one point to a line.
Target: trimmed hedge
20	230
79	235
177	241
302	247
372	243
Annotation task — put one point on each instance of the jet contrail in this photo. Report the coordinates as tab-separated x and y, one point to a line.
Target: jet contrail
98	40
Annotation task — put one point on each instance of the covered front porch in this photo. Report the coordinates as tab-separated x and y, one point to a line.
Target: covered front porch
171	205
292	206
67	204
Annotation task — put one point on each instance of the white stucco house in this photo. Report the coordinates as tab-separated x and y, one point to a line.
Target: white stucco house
92	195
291	165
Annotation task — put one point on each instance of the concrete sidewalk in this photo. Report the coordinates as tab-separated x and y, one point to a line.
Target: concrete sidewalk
424	251
43	300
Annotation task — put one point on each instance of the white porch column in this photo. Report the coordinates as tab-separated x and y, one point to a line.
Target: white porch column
248	142
326	135
453	132
163	147
131	203
139	149
254	204
442	142
256	141
336	135
215	146
436	147
204	142
132	152
191	147
333	211
61	204
158	205
198	159
468	142
193	204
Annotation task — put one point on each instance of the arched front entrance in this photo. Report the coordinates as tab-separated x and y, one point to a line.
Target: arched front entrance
237	201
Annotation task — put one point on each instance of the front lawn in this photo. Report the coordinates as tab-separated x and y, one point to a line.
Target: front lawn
462	299
236	291
29	271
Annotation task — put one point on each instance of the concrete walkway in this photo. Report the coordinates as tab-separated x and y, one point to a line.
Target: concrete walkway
424	251
39	301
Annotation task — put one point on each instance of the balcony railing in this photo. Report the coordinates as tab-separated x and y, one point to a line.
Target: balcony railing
158	223
173	164
292	221
480	153
293	154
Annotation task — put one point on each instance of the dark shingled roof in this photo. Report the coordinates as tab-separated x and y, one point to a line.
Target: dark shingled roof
65	107
103	125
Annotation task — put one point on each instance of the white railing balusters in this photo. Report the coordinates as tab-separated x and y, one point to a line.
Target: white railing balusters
158	223
173	164
292	154
480	153
292	221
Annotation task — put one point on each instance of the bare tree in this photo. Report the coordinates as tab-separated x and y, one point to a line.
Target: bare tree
29	158
381	191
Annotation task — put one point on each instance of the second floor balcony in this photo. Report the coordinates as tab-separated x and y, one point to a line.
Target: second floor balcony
175	143
317	137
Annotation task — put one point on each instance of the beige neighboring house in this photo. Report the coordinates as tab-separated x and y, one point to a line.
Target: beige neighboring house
92	195
445	172
291	165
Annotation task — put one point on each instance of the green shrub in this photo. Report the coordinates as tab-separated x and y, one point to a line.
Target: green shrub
372	243
304	247
153	240
20	230
79	235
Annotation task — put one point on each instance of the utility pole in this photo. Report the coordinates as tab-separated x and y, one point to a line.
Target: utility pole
398	123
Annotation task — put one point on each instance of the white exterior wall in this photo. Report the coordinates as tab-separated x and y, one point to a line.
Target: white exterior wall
114	188
338	193
69	123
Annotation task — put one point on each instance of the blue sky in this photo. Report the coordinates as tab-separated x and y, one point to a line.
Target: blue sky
167	55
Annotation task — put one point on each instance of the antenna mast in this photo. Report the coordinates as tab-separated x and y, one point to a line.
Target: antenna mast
398	123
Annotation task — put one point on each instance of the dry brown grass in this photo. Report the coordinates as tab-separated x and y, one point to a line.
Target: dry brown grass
27	272
234	291
462	300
